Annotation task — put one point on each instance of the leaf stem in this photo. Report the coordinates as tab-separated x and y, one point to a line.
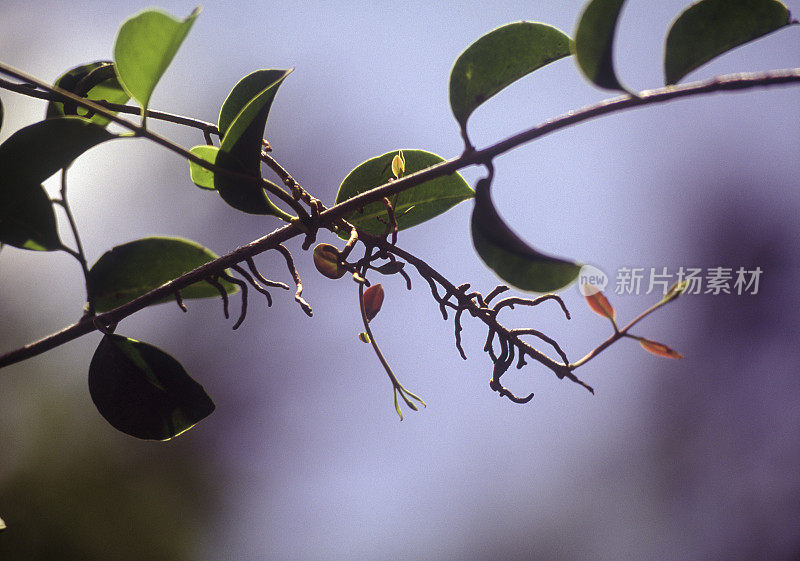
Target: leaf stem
617	335
79	254
397	386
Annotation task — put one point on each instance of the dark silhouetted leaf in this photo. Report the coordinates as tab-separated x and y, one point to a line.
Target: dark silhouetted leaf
27	158
144	392
36	152
390	268
1	113
600	305
326	260
659	349
510	257
373	300
96	81
255	92
594	42
135	268
201	176
146	44
499	58
709	28
243	118
411	207
27	219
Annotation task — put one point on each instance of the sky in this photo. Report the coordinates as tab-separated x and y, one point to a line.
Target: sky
304	457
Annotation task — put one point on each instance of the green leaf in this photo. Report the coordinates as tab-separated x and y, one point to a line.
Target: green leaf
499	58
144	392
201	176
135	268
146	44
710	28
249	102
246	91
412	206
594	42
36	152
27	158
247	105
96	81
2	525
27	219
510	257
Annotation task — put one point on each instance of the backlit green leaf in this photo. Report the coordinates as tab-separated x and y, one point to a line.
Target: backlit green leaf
510	257
96	81
2	525
201	176
412	206
594	42
249	102
146	44
135	268
499	58
27	219
144	392
709	28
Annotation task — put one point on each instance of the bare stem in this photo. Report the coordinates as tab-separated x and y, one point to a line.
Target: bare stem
79	254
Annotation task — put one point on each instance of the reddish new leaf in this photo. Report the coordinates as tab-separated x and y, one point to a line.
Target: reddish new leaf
600	305
659	349
326	260
373	300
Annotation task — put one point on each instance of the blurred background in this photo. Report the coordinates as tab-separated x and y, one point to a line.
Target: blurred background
304	457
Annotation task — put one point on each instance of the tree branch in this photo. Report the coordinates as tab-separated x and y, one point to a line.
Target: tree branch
731	82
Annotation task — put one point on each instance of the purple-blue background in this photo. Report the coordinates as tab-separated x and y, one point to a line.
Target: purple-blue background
304	458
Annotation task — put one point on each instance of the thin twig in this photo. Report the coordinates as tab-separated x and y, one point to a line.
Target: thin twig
298	295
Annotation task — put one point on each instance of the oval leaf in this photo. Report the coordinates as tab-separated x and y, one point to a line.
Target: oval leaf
240	150
249	102
96	81
499	58
201	176
412	206
27	219
36	152
373	301
659	349
146	44
258	88
135	268
594	42
600	305
709	28
326	260
144	392
510	257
